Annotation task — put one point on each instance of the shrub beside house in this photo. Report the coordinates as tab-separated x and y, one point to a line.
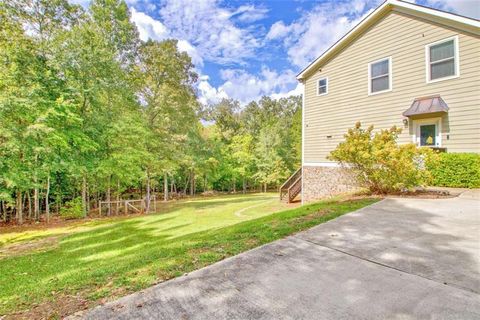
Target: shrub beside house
380	164
458	170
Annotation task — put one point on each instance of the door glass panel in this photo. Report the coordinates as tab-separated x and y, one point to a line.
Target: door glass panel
428	135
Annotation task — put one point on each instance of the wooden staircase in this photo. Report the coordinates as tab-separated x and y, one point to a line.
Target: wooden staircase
292	187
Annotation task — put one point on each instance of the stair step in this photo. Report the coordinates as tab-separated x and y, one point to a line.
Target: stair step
292	187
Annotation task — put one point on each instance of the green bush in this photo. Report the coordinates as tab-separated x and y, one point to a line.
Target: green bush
461	170
380	164
72	209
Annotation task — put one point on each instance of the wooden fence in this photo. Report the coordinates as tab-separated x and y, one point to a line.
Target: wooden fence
126	206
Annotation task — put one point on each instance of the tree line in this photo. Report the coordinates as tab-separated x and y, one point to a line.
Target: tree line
89	112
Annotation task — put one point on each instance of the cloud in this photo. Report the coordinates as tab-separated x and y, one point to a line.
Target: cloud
295	92
211	29
149	28
245	87
469	8
279	30
184	45
317	29
83	3
209	94
250	13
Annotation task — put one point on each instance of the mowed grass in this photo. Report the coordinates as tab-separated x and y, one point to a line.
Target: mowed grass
116	257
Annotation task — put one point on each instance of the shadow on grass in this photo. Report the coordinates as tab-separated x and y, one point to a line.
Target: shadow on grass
203	204
132	255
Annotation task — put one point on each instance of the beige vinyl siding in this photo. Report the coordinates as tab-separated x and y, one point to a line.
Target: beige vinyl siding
403	38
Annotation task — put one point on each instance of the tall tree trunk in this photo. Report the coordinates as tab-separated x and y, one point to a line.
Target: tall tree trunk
3	212
47	195
84	195
19	207
109	208
234	185
118	196
192	183
165	186
88	199
187	183
244	186
58	200
147	196
24	201
204	182
97	196
29	205
36	203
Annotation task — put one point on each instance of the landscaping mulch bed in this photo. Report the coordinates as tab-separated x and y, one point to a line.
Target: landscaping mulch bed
423	194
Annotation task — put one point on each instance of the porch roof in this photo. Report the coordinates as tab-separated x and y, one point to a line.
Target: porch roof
425	105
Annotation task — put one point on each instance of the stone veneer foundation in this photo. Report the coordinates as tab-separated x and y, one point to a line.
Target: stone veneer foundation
322	182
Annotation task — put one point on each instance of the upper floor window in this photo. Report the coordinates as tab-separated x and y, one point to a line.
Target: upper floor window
380	76
442	59
322	87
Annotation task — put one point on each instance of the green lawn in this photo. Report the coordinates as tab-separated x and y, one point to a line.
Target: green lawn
86	263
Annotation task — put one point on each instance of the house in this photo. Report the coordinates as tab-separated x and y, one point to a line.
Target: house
404	64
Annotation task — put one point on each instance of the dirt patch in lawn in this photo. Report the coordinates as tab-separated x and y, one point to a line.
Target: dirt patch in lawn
63	305
314	215
22	248
57	222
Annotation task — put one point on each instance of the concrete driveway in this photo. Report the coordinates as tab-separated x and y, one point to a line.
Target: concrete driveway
397	259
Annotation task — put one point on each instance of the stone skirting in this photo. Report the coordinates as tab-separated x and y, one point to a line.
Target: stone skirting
322	182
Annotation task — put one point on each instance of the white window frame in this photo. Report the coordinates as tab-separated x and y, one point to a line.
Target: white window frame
429	121
326	86
456	60
390	76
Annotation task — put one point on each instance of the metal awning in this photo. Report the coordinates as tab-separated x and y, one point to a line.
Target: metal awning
425	105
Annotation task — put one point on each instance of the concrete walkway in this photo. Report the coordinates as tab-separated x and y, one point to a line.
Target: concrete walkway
397	259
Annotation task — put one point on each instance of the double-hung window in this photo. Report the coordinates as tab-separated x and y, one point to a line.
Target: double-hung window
322	86
380	76
442	60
